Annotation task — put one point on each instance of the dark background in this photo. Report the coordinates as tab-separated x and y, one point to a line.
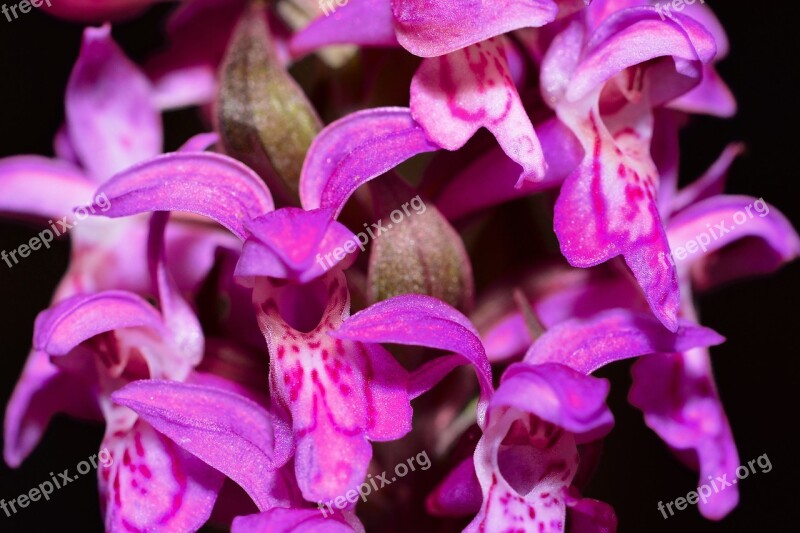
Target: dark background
757	369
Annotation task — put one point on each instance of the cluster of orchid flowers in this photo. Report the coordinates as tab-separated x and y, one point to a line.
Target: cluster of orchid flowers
196	322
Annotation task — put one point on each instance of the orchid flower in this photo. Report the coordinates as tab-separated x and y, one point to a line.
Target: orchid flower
688	415
100	342
328	373
685	409
109	125
528	456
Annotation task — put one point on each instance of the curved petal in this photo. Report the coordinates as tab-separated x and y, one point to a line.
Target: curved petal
712	97
633	37
185	181
732	236
429	28
200	142
418	320
42	391
356	149
452	96
229	432
360	22
586	345
148	483
178	315
111	117
290	243
48	188
680	402
559	395
79	318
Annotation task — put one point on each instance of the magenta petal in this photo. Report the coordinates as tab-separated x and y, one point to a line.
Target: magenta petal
680	402
340	394
587	345
430	28
42	391
200	142
291	521
743	228
185	181
470	190
111	117
453	96
607	207
229	432
712	96
356	149
70	322
419	320
33	185
148	483
558	394
291	243
611	49
459	494
360	22
177	313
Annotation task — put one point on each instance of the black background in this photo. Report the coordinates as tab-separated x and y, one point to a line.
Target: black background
757	369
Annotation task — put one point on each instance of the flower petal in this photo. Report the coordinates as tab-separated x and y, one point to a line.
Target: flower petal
340	393
419	320
433	28
229	432
47	188
762	243
151	484
559	395
363	22
458	494
452	96
111	117
680	402
290	243
356	149
469	191
185	181
42	391
70	322
586	345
